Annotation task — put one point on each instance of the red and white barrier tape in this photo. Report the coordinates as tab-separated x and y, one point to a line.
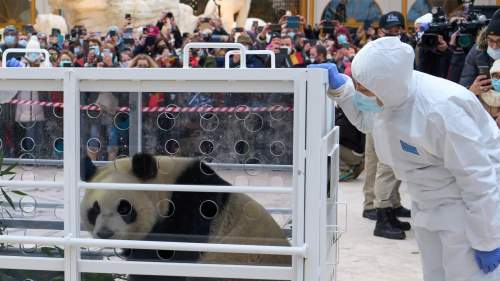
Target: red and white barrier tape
171	108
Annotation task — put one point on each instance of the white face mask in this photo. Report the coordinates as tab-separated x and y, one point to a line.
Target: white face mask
23	43
313	60
493	53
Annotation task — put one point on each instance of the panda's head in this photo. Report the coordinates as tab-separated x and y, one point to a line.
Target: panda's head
115	214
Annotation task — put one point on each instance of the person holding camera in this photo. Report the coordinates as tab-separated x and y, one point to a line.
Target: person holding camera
148	42
167	18
433	54
481	57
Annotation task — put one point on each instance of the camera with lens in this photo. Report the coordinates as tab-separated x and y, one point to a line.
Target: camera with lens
467	27
438	26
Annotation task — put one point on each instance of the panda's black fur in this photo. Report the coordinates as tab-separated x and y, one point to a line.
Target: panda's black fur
186	224
144	166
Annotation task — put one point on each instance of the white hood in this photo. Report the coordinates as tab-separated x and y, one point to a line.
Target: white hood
385	67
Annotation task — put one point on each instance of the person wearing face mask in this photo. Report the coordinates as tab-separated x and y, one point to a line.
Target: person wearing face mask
293	57
382	199
65	59
42	38
23	41
491	99
54	55
318	54
442	144
393	24
481	56
125	58
10	39
108	57
93	53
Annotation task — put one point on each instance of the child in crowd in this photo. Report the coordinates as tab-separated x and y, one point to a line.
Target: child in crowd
491	99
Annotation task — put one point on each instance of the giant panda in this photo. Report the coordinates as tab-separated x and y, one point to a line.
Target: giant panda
210	217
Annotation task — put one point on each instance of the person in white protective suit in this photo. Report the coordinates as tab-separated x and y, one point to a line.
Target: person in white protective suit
441	142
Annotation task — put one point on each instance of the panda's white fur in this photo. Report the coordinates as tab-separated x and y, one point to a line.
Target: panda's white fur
239	219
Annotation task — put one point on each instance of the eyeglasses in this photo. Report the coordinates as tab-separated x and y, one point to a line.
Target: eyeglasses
493	42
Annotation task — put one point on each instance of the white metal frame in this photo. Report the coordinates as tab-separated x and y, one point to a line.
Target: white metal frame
46	61
311	123
213	46
269	53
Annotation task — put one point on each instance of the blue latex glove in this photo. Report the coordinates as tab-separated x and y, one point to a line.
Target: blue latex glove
336	79
487	261
13	62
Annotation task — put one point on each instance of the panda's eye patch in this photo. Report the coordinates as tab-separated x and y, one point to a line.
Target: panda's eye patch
127	211
124	208
93	212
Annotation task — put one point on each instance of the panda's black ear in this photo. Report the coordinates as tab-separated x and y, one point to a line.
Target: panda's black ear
144	166
87	169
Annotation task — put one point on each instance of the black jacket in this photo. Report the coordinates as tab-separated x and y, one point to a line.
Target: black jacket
434	62
350	137
476	57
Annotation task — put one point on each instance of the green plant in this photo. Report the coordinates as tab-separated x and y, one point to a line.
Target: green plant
8	171
52	251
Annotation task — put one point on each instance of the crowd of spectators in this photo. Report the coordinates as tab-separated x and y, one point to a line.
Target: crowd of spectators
295	44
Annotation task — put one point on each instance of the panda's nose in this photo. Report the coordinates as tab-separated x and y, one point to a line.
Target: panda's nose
105	233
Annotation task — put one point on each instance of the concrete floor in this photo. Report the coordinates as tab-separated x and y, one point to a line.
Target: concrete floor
364	257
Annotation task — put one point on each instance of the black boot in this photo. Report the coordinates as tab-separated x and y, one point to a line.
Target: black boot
402	212
405	226
385	228
370	214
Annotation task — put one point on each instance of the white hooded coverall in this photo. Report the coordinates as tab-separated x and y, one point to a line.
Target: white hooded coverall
440	141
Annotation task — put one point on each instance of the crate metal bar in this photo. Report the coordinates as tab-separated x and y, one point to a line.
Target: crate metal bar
30	263
33	224
200	45
284	211
186	188
60	241
187	76
299	183
154	245
317	190
37	162
25	51
28	184
250	52
71	172
168	86
228	166
191	270
191	247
